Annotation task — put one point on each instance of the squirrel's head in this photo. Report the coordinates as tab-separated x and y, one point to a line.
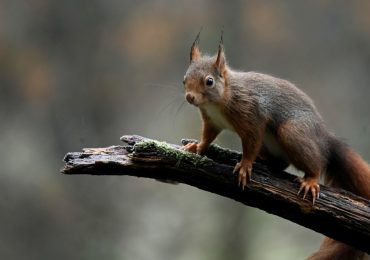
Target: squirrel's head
205	78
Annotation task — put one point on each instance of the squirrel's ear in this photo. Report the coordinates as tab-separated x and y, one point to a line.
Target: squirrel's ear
220	63
195	52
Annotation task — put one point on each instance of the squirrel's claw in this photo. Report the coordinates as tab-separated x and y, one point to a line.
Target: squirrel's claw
309	185
244	173
190	147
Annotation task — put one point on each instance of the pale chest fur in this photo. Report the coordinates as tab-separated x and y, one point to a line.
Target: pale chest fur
217	117
219	120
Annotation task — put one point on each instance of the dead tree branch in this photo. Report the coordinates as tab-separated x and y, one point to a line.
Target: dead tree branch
337	213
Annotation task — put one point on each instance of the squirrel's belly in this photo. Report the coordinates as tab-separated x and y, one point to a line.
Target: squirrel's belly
273	146
217	117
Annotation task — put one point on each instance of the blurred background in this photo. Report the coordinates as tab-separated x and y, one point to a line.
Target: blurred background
82	73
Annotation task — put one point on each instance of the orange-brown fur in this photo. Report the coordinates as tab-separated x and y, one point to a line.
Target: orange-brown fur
277	121
334	250
348	171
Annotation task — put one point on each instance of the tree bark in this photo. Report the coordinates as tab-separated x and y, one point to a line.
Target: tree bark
338	214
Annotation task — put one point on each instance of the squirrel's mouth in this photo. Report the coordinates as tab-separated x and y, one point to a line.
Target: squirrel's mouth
194	104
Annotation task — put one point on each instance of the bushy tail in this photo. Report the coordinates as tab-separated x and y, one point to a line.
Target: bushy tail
347	170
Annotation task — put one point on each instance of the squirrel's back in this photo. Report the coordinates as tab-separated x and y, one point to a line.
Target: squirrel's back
278	99
282	105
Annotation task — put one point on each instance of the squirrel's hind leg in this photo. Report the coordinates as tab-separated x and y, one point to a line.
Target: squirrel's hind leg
303	150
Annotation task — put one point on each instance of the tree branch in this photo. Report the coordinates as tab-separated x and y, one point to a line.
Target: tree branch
338	214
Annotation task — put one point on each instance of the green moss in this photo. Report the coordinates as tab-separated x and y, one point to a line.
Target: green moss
166	150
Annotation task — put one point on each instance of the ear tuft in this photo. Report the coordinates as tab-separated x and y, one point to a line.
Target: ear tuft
195	52
220	63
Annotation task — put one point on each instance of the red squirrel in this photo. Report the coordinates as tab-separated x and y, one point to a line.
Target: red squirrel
277	121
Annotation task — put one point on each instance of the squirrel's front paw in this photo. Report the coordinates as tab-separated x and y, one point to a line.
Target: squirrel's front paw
309	184
191	147
244	170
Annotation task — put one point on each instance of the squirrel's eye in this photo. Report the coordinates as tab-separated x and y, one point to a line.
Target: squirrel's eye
209	81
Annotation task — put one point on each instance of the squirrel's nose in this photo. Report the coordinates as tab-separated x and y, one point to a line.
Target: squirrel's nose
190	98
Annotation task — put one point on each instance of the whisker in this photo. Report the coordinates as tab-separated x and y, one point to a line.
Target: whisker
168	105
167	86
175	99
180	107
